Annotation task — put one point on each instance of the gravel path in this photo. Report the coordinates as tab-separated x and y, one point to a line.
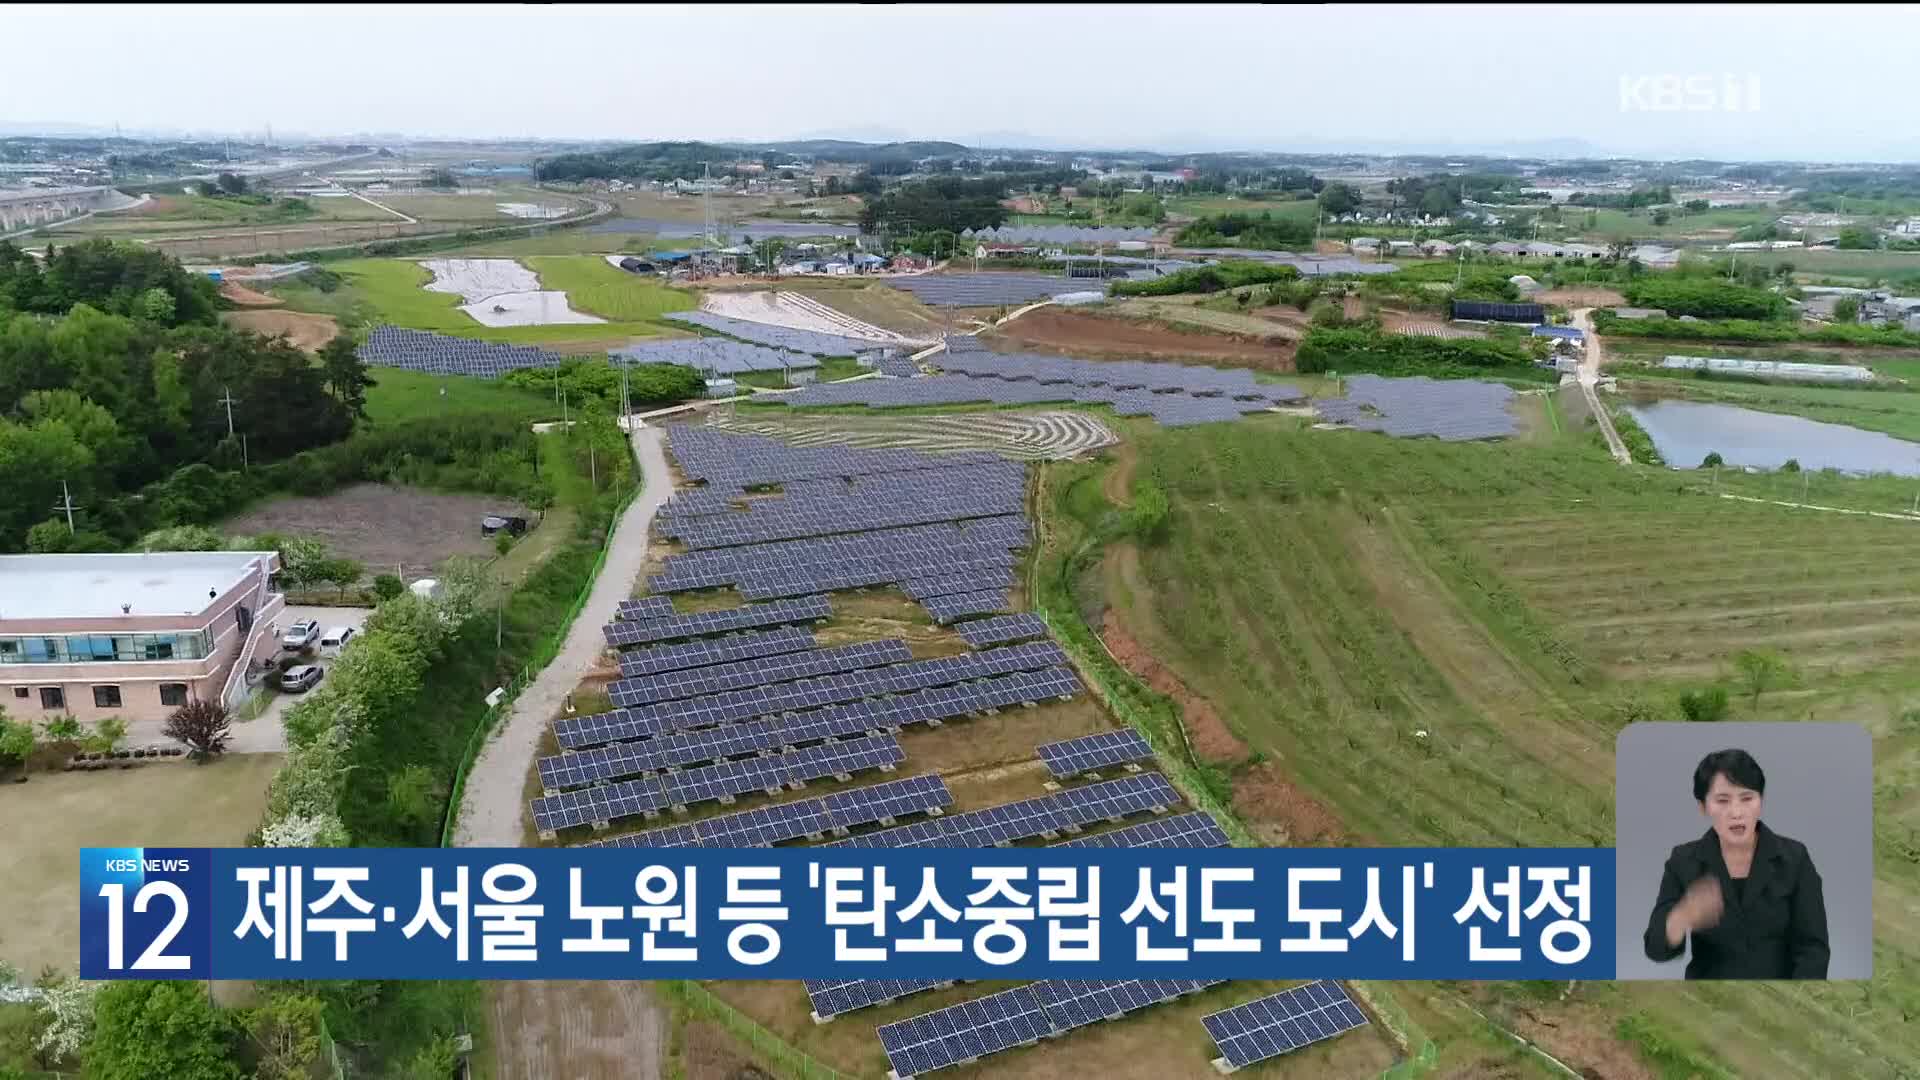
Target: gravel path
494	804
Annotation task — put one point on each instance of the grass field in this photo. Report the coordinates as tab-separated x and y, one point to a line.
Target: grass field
399	396
887	308
1202	205
595	287
1638	224
1331	596
49	818
392	291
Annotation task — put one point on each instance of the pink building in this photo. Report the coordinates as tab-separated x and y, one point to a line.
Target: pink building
132	635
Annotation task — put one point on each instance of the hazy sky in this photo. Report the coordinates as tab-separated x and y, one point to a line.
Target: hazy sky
1832	82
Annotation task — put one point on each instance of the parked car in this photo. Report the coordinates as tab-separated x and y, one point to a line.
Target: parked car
336	639
299	680
494	523
300	635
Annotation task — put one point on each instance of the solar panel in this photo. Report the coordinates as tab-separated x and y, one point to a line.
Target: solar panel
1073	1003
693	654
596	806
831	999
1449	409
1072	757
1282	1022
1191	830
964	1032
804	609
670	685
1001	629
439	354
646	607
768	825
998	826
946	609
727	779
988	289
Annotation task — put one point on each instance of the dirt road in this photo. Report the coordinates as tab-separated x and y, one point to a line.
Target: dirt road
1591	358
494	804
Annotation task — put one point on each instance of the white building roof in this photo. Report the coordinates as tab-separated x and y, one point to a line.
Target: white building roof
95	586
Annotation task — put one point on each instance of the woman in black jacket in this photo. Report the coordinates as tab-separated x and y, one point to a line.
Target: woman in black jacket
1747	897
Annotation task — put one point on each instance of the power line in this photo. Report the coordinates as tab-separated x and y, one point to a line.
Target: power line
66	503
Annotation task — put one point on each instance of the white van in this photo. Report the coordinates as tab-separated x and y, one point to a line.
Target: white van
336	639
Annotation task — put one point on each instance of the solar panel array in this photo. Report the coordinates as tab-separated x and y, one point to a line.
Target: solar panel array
622	633
723	781
831	998
889	501
1173	394
647	721
1282	1022
953	606
896	366
1002	628
1071	757
1452	410
1194	830
693	654
723	457
825	564
1025	1014
1060	811
645	607
714	356
988	289
440	354
669	685
1059	234
777	337
958	343
765	826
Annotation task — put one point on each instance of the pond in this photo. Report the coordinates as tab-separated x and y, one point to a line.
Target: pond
1686	431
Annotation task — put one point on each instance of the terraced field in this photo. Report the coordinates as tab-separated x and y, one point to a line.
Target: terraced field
1423	643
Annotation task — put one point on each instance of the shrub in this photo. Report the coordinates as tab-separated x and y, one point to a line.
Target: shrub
16	741
202	725
387	586
144	1030
62	729
1365	349
503	542
1704	706
1706	298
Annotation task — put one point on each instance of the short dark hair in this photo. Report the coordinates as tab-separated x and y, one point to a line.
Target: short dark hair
1737	764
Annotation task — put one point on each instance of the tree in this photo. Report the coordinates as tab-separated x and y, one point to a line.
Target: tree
1338	198
1791	465
1857	238
341	572
286	1032
66	1008
416	796
346	374
387	586
16	740
231	183
1712	460
1661	217
1704	706
156	306
202	725
1846	309
435	1061
1761	671
62	728
144	1030
107	735
442	179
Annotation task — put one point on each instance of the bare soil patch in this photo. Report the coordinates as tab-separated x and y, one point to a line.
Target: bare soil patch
709	1052
245	297
1401	322
382	525
1211	738
589	1030
1582	296
1073	333
308	332
1280	812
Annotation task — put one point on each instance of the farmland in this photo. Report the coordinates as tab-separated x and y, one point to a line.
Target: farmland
1436	644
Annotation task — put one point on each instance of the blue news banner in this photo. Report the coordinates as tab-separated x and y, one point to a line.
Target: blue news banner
605	913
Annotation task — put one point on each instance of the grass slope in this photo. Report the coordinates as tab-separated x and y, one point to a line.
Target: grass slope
1332	595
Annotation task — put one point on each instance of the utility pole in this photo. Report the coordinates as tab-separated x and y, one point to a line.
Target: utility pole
227	400
66	503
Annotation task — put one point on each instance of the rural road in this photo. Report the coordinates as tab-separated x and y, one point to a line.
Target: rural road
1591	358
491	814
383	206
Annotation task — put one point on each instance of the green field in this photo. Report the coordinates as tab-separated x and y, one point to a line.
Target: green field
1330	595
400	396
392	291
1202	205
1638	224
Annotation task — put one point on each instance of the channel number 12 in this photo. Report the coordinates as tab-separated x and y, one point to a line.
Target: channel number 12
155	957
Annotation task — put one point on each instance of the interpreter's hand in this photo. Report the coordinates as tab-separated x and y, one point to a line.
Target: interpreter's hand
1698	910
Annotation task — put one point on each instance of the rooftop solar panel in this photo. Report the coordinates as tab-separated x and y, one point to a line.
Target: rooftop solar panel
1072	757
1282	1022
964	1032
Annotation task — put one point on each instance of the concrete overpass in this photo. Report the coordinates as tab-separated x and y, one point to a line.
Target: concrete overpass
34	207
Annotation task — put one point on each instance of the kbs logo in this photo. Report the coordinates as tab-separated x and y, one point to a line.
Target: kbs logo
1689	93
151	866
